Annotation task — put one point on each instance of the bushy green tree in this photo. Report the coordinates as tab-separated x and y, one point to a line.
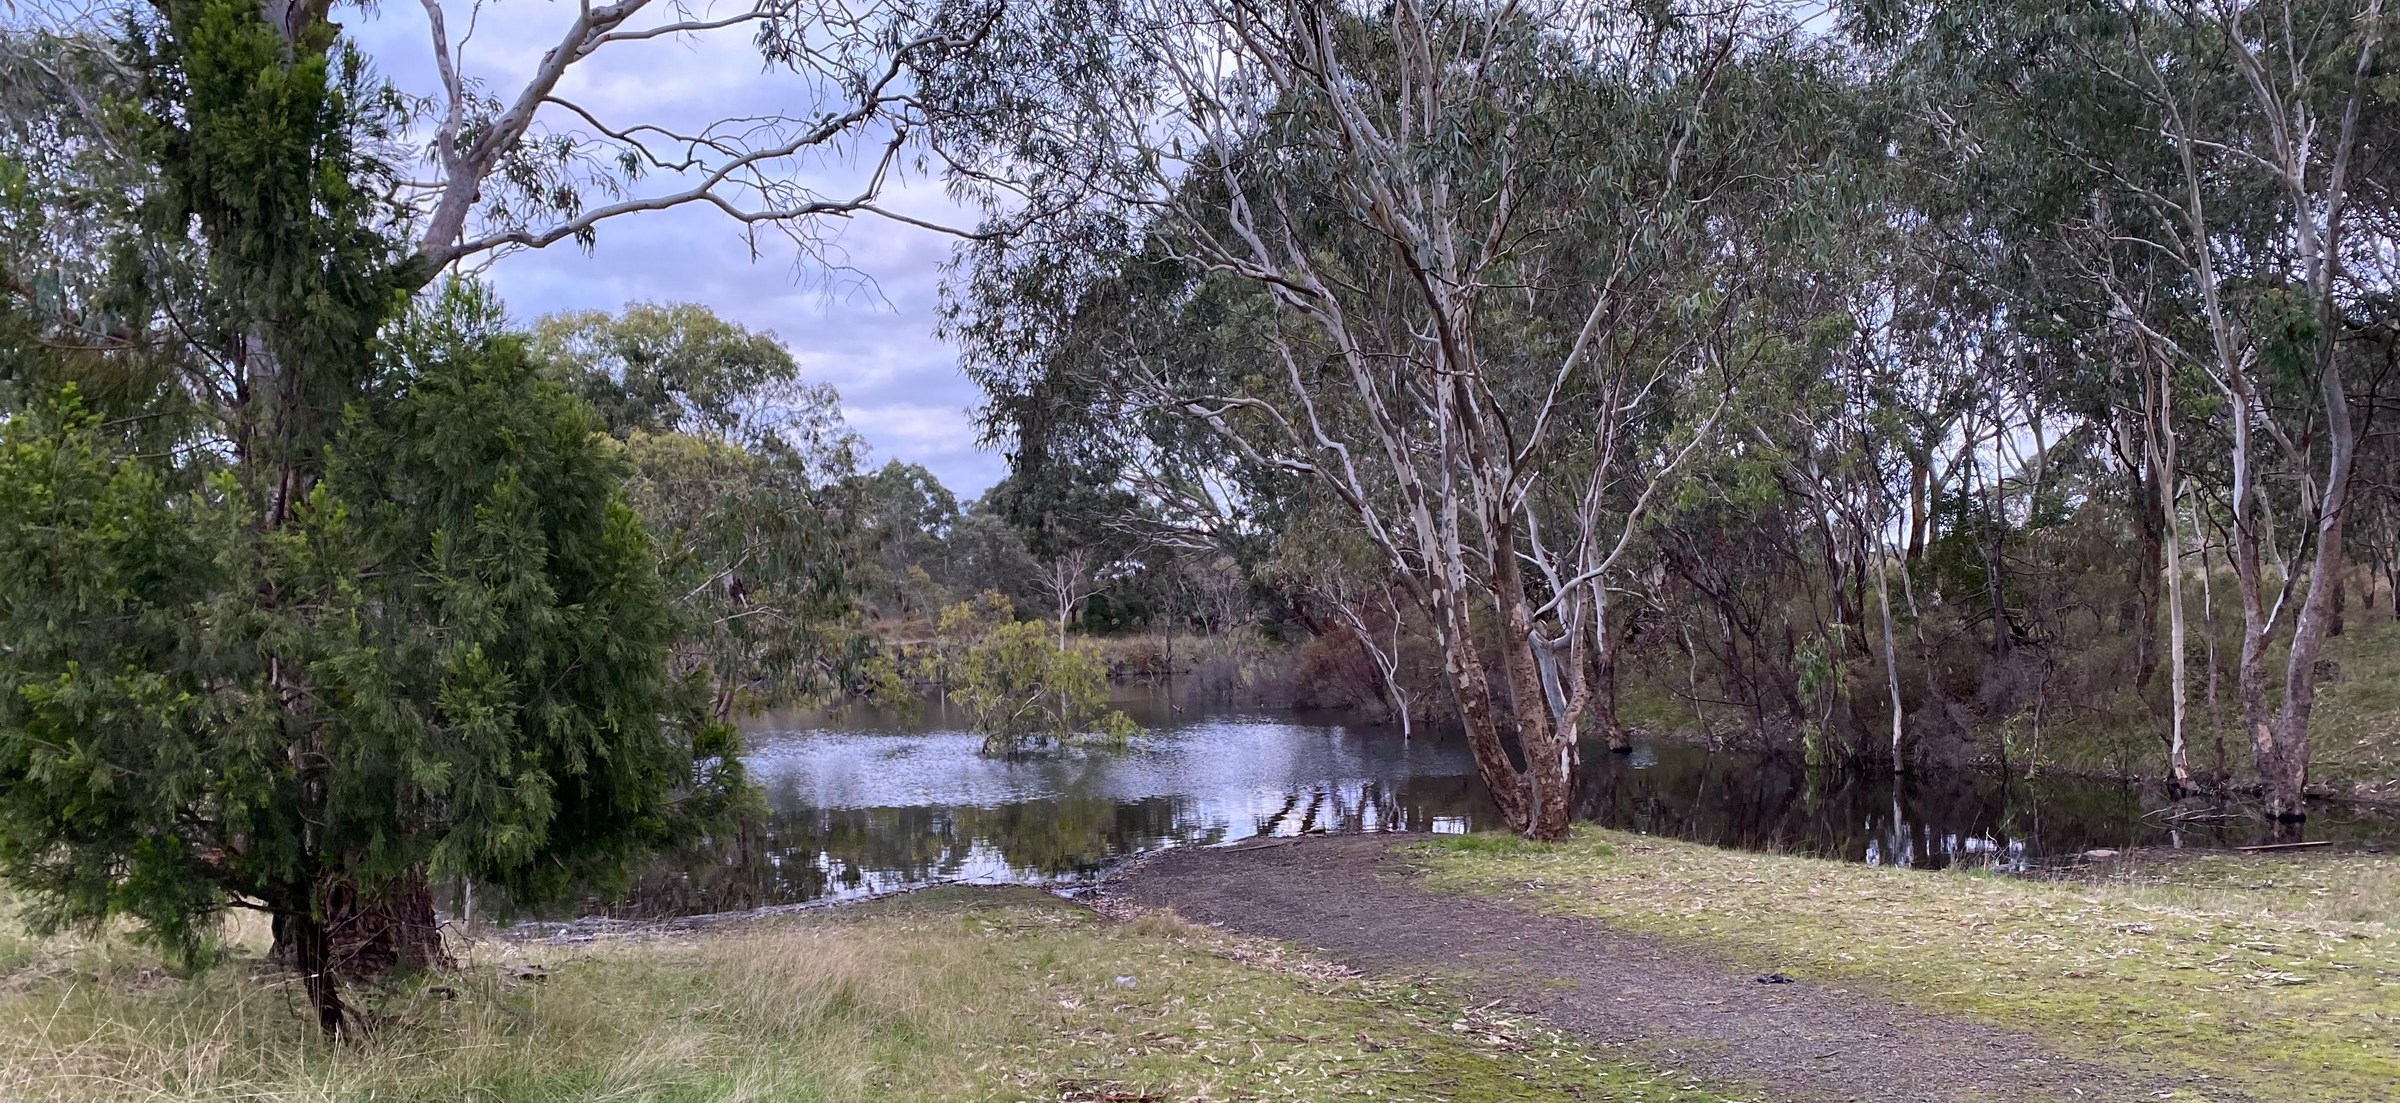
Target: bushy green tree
458	664
1022	690
309	594
743	473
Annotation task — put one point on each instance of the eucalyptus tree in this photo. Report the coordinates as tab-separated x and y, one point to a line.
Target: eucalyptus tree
908	518
1480	273
1341	576
2222	152
522	160
740	470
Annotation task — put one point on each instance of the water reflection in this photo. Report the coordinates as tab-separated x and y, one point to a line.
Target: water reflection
875	803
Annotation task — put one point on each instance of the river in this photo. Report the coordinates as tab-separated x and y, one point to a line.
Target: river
866	803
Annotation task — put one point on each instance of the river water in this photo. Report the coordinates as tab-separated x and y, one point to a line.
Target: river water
865	803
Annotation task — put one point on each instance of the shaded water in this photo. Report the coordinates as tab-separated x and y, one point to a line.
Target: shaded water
868	803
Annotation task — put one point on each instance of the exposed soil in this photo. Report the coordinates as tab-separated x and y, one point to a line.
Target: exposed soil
1352	899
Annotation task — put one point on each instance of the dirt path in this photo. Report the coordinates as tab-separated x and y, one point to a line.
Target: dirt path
1351	898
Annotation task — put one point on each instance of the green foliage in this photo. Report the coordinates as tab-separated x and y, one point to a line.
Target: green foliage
1021	689
311	591
451	656
679	368
508	575
740	472
101	577
907	518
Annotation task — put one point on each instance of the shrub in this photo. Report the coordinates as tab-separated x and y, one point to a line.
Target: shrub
1020	688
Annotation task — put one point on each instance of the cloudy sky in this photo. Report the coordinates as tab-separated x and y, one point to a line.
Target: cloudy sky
868	331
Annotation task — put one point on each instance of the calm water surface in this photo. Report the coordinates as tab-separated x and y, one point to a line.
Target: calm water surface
868	803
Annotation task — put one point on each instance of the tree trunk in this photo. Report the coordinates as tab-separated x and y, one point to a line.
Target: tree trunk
1891	667
2341	599
1552	761
369	936
2178	764
2143	614
2208	620
1603	709
2288	782
312	957
1995	585
1918	513
2250	675
2158	418
1471	692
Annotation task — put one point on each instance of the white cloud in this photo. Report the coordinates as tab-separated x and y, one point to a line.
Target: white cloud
869	332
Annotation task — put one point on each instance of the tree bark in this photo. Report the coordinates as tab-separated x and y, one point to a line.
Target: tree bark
370	935
311	956
1471	693
1891	667
2287	784
2159	447
1552	760
1603	709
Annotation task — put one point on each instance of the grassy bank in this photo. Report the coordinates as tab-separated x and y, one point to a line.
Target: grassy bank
957	994
2279	975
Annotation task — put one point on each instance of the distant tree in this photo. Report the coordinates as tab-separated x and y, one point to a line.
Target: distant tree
986	553
742	471
1021	690
1078	524
907	518
679	368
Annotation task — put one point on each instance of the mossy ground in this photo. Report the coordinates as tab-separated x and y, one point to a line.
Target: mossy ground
2277	975
950	995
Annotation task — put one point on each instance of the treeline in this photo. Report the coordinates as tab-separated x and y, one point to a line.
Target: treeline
1876	377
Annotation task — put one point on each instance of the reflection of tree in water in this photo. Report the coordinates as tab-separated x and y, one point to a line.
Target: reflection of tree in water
796	854
1068	836
1926	820
1930	820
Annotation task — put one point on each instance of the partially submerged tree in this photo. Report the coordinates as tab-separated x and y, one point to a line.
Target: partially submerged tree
1020	690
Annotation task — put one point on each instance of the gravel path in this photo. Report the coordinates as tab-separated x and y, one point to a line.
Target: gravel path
1353	900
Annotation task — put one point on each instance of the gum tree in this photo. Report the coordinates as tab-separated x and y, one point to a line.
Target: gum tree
1477	273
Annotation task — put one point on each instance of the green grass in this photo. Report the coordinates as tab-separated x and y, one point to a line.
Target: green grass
2356	741
953	995
1490	844
2279	975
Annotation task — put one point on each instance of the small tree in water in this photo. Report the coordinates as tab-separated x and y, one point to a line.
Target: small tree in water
1020	689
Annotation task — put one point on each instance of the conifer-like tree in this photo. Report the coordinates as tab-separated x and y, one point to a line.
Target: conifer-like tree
309	593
